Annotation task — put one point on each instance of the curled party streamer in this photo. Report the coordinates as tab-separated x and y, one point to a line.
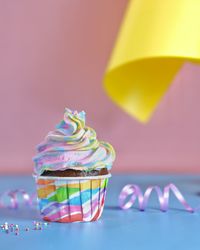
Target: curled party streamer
131	192
15	198
127	197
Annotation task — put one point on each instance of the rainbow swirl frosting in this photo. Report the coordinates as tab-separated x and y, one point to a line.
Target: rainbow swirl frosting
73	146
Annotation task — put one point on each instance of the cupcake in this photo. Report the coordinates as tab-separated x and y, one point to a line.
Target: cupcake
71	170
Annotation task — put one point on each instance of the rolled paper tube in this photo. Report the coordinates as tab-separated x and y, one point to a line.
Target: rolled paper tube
156	38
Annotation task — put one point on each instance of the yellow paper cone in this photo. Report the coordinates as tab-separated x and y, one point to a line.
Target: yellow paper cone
155	39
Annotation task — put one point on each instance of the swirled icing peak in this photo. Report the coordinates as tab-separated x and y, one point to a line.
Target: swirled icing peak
72	145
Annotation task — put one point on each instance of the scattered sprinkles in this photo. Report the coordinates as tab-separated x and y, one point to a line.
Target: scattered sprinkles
16	229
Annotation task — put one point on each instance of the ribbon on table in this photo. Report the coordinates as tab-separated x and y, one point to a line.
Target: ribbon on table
134	192
13	199
155	40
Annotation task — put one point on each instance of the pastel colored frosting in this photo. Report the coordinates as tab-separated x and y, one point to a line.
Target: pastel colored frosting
73	146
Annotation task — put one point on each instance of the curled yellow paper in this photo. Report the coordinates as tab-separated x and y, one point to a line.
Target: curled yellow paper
155	39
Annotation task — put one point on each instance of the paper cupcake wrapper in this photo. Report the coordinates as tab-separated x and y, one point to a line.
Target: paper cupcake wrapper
70	199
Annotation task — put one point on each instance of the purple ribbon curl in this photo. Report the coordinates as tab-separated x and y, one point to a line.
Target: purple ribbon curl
13	199
134	192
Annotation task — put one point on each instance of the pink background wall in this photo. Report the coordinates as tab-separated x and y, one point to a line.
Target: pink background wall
53	54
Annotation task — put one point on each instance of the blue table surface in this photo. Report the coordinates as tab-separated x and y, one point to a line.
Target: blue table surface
117	229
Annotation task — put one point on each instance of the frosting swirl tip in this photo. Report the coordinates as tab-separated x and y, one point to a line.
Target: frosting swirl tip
73	145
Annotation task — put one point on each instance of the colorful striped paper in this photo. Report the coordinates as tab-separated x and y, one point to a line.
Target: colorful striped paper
64	200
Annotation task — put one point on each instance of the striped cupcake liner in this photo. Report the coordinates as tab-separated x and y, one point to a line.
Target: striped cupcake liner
71	199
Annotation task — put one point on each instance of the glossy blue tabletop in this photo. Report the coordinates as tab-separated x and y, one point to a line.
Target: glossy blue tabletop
117	229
